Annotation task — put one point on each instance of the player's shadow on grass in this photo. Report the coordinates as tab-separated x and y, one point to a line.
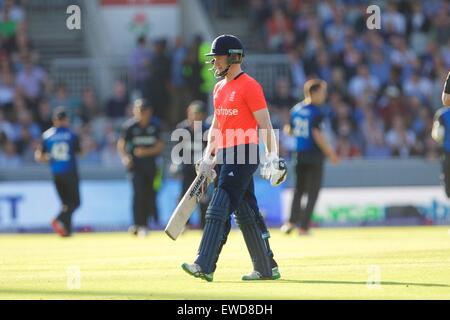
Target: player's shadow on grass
382	283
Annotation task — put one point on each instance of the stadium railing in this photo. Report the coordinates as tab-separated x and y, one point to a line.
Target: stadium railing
102	72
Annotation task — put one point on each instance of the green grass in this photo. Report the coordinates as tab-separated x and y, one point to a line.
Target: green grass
414	263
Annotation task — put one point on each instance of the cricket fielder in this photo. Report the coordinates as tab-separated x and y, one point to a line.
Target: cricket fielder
441	134
446	92
59	148
239	109
311	148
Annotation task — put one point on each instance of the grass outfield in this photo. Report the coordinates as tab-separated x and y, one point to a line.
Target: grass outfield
412	262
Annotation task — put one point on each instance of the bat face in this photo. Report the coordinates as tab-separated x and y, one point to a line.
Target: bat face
184	209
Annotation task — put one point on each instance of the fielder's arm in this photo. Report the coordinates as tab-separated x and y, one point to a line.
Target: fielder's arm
287	129
126	159
438	131
268	134
321	141
446	92
79	150
41	156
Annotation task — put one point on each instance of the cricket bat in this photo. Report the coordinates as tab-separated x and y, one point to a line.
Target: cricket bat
184	209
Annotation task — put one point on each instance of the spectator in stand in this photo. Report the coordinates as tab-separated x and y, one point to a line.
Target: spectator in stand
390	105
8	155
281	103
140	67
32	82
22	42
400	139
335	31
90	109
403	56
179	88
119	102
29	134
418	86
338	83
16	11
346	147
379	67
322	66
160	80
363	83
62	98
89	146
376	146
44	118
341	112
297	71
277	26
7	90
258	13
108	154
442	24
10	18
192	71
393	20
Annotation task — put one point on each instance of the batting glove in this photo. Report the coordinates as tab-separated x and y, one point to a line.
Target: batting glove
274	170
206	166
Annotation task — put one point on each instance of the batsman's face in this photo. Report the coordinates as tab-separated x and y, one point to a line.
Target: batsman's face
220	62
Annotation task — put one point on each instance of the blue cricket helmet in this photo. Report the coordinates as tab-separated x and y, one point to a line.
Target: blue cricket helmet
226	44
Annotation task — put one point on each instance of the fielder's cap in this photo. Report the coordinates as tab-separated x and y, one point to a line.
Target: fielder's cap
60	113
142	103
226	44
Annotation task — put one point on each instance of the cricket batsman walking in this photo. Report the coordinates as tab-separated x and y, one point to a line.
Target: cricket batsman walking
239	110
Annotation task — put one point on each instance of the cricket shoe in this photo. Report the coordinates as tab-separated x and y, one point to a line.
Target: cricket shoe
255	275
276	273
196	271
142	232
287	228
133	230
59	228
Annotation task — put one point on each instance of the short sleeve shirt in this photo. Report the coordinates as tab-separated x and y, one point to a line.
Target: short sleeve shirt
234	104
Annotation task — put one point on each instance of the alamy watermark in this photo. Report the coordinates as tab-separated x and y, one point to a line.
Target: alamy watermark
73	278
374	277
240	146
374	20
73	22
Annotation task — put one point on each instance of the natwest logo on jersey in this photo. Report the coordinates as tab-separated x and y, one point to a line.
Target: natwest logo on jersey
221	111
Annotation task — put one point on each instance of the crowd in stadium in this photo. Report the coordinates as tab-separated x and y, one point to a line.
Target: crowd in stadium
384	85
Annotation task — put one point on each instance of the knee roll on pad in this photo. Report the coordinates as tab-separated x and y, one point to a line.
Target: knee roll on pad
245	215
219	206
